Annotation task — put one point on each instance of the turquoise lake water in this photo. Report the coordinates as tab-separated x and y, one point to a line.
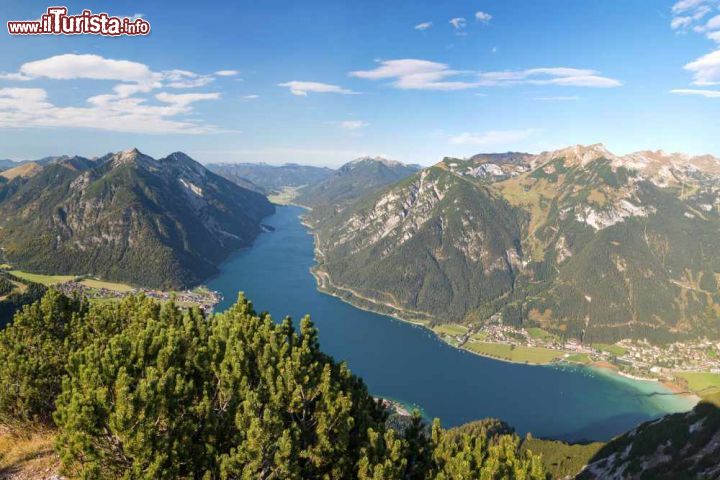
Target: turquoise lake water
408	363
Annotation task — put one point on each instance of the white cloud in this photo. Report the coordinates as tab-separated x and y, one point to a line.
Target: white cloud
30	107
483	17
706	69
71	66
492	138
354	124
703	93
303	88
121	110
226	73
685	5
414	74
30	95
689	13
135	77
250	97
458	23
185	79
423	26
14	76
185	99
713	23
681	22
560	76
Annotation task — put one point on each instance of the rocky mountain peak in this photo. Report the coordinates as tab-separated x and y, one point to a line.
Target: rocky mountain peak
125	157
369	160
185	164
579	154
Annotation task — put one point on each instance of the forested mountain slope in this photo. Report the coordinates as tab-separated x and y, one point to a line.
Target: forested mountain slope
353	181
579	241
127	217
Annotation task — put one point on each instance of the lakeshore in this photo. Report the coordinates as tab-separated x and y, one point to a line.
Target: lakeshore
100	291
416	367
527	355
323	280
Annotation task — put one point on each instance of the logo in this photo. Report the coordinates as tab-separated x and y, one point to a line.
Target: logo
56	21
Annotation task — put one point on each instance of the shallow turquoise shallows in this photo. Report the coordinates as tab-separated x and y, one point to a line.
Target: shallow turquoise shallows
409	364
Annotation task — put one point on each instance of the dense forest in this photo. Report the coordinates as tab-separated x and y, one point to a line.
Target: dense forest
574	241
139	389
15	293
158	223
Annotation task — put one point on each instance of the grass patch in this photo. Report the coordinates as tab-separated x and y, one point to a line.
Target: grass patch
517	353
450	329
530	194
479	337
540	334
285	196
99	284
616	350
704	383
27	454
582	358
42	279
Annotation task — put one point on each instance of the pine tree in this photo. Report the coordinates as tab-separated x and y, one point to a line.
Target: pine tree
143	390
33	356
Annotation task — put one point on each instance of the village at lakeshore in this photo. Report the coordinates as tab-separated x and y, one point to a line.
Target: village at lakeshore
574	396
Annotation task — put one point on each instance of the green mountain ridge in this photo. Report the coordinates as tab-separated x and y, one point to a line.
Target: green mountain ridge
127	217
352	181
578	241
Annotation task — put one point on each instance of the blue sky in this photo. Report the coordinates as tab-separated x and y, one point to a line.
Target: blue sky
322	82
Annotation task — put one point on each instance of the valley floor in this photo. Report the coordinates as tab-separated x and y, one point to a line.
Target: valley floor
102	291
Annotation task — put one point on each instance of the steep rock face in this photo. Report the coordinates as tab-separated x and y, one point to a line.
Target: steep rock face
683	445
128	217
579	241
433	242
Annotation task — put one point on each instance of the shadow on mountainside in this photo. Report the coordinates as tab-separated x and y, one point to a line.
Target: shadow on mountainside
677	446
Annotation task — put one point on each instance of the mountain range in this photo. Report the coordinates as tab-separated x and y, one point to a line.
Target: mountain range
579	241
270	178
352	181
7	164
126	217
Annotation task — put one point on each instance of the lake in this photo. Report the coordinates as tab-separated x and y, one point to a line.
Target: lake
408	363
